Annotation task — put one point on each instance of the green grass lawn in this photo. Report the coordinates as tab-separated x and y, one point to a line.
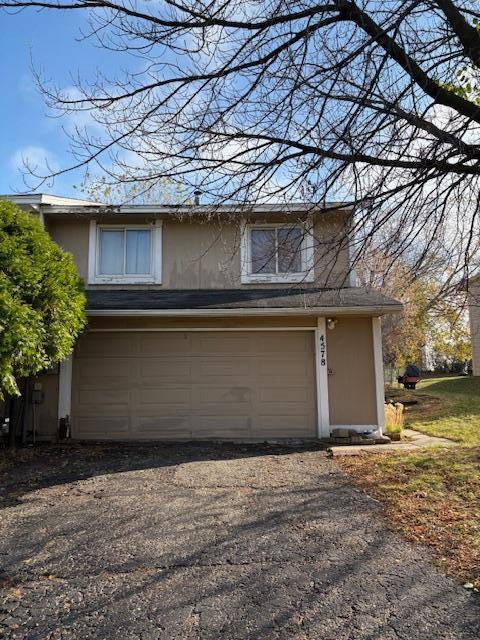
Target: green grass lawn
433	495
449	407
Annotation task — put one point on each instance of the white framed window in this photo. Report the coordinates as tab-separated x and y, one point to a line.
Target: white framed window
125	254
276	253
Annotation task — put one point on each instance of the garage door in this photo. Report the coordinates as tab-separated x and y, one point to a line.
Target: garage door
182	385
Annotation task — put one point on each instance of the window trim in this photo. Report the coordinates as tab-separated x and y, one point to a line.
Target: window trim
307	254
155	277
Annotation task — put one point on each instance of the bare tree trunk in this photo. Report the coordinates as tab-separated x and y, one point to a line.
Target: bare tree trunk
16	411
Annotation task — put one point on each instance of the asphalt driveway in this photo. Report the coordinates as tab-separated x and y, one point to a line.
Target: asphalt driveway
180	542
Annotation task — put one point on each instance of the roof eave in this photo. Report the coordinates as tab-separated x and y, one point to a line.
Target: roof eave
195	210
48	200
376	310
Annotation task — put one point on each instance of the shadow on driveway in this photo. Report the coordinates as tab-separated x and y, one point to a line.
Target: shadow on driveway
49	465
211	541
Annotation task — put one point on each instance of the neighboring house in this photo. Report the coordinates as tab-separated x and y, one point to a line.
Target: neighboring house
474	315
237	322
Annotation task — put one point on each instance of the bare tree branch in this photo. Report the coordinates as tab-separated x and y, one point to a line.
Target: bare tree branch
313	101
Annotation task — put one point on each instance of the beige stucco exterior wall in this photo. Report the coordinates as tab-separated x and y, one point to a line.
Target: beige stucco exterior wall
474	314
206	255
331	260
200	255
351	379
72	235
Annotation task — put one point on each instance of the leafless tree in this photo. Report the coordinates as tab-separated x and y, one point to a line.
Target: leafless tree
374	102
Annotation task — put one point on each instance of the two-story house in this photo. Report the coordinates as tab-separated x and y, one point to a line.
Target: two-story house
226	322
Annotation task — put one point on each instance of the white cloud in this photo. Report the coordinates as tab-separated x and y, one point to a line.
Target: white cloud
83	117
36	160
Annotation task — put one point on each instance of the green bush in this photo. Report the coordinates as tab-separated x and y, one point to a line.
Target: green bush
42	304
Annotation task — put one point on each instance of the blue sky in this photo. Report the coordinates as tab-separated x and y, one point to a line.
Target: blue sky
51	41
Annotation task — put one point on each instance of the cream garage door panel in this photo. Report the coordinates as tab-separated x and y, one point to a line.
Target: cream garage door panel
182	385
103	344
159	371
224	367
290	343
112	428
150	344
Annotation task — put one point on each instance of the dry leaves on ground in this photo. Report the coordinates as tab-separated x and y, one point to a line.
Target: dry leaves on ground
432	497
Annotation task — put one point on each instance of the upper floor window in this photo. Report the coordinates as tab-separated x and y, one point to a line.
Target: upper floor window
125	254
276	253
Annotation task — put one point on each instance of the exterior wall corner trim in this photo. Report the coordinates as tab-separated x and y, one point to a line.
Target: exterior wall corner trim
379	378
321	368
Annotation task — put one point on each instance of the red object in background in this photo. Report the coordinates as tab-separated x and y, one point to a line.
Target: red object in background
410	382
410	378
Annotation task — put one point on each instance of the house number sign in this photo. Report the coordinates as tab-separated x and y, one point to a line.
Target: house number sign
323	350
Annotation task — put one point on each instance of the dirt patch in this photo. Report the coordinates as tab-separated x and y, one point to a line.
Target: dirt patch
11	457
426	406
417	407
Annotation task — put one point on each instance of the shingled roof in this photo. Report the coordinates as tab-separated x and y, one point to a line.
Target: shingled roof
313	300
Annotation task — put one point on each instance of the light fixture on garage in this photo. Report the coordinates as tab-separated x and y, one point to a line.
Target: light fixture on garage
331	323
